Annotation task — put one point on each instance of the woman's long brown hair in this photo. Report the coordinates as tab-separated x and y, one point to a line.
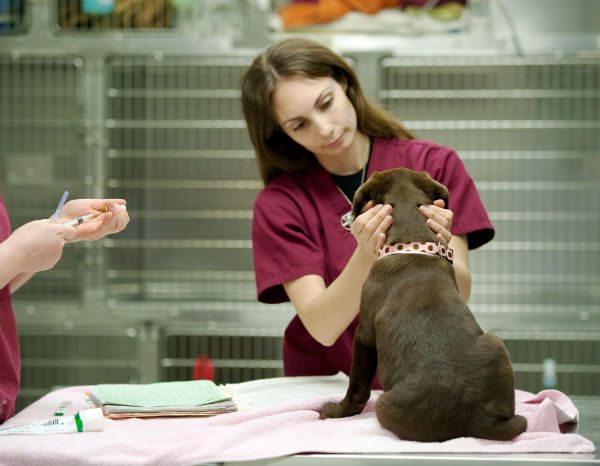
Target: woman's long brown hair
275	151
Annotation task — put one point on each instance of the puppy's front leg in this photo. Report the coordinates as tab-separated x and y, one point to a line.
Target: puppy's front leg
362	372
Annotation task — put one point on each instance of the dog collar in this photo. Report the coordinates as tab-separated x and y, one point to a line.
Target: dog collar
431	248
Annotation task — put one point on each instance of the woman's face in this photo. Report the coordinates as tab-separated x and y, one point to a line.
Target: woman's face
316	113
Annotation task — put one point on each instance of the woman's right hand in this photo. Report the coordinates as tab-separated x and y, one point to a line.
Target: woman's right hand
370	226
38	245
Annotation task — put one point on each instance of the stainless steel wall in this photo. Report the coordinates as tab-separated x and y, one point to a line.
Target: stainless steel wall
152	115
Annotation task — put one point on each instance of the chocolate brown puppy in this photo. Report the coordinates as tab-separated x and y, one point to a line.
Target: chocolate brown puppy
442	376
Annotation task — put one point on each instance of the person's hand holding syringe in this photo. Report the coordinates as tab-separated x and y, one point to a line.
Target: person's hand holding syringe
38	245
93	218
80	220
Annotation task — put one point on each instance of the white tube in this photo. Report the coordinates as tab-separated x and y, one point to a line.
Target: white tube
89	420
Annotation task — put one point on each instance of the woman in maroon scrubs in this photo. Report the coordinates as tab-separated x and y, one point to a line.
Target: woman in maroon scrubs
316	139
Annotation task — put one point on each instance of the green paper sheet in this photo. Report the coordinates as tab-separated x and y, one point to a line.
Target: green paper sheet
187	393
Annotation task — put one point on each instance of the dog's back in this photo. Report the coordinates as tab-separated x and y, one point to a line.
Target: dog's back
442	376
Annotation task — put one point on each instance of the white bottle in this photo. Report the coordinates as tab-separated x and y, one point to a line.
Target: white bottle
549	373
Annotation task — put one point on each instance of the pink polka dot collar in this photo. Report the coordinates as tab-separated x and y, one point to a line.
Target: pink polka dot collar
434	249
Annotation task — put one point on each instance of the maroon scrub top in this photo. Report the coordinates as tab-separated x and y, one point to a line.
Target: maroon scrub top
296	231
10	360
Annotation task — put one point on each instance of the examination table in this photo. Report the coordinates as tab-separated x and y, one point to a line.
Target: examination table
278	425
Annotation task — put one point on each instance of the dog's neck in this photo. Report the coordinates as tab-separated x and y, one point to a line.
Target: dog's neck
409	225
410	234
429	247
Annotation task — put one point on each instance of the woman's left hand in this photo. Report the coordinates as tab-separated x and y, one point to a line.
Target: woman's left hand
439	219
112	218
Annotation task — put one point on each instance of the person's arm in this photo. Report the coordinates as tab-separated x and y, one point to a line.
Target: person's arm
33	247
9	269
327	311
19	281
462	271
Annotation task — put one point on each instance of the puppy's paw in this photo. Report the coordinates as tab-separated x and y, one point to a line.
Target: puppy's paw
332	410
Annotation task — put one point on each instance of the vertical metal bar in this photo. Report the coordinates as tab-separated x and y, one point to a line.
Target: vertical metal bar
94	116
148	352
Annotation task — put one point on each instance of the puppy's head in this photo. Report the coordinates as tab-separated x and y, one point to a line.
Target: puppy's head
405	190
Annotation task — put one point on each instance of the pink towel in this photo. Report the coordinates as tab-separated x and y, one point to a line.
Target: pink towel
266	433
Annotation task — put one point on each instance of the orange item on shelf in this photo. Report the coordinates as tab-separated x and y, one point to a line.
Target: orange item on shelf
303	14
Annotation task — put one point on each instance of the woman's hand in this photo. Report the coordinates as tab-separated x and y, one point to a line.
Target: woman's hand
36	246
112	218
370	226
439	219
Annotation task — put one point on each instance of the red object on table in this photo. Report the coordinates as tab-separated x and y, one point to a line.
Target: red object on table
204	369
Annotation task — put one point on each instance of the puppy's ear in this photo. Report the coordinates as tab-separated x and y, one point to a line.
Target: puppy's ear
432	188
373	189
361	197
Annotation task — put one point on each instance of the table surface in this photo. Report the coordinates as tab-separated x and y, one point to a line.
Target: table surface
588	427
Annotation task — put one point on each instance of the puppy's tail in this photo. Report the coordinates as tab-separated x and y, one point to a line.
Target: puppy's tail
503	429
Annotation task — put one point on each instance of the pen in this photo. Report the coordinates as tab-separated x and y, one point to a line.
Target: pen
89	397
59	208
